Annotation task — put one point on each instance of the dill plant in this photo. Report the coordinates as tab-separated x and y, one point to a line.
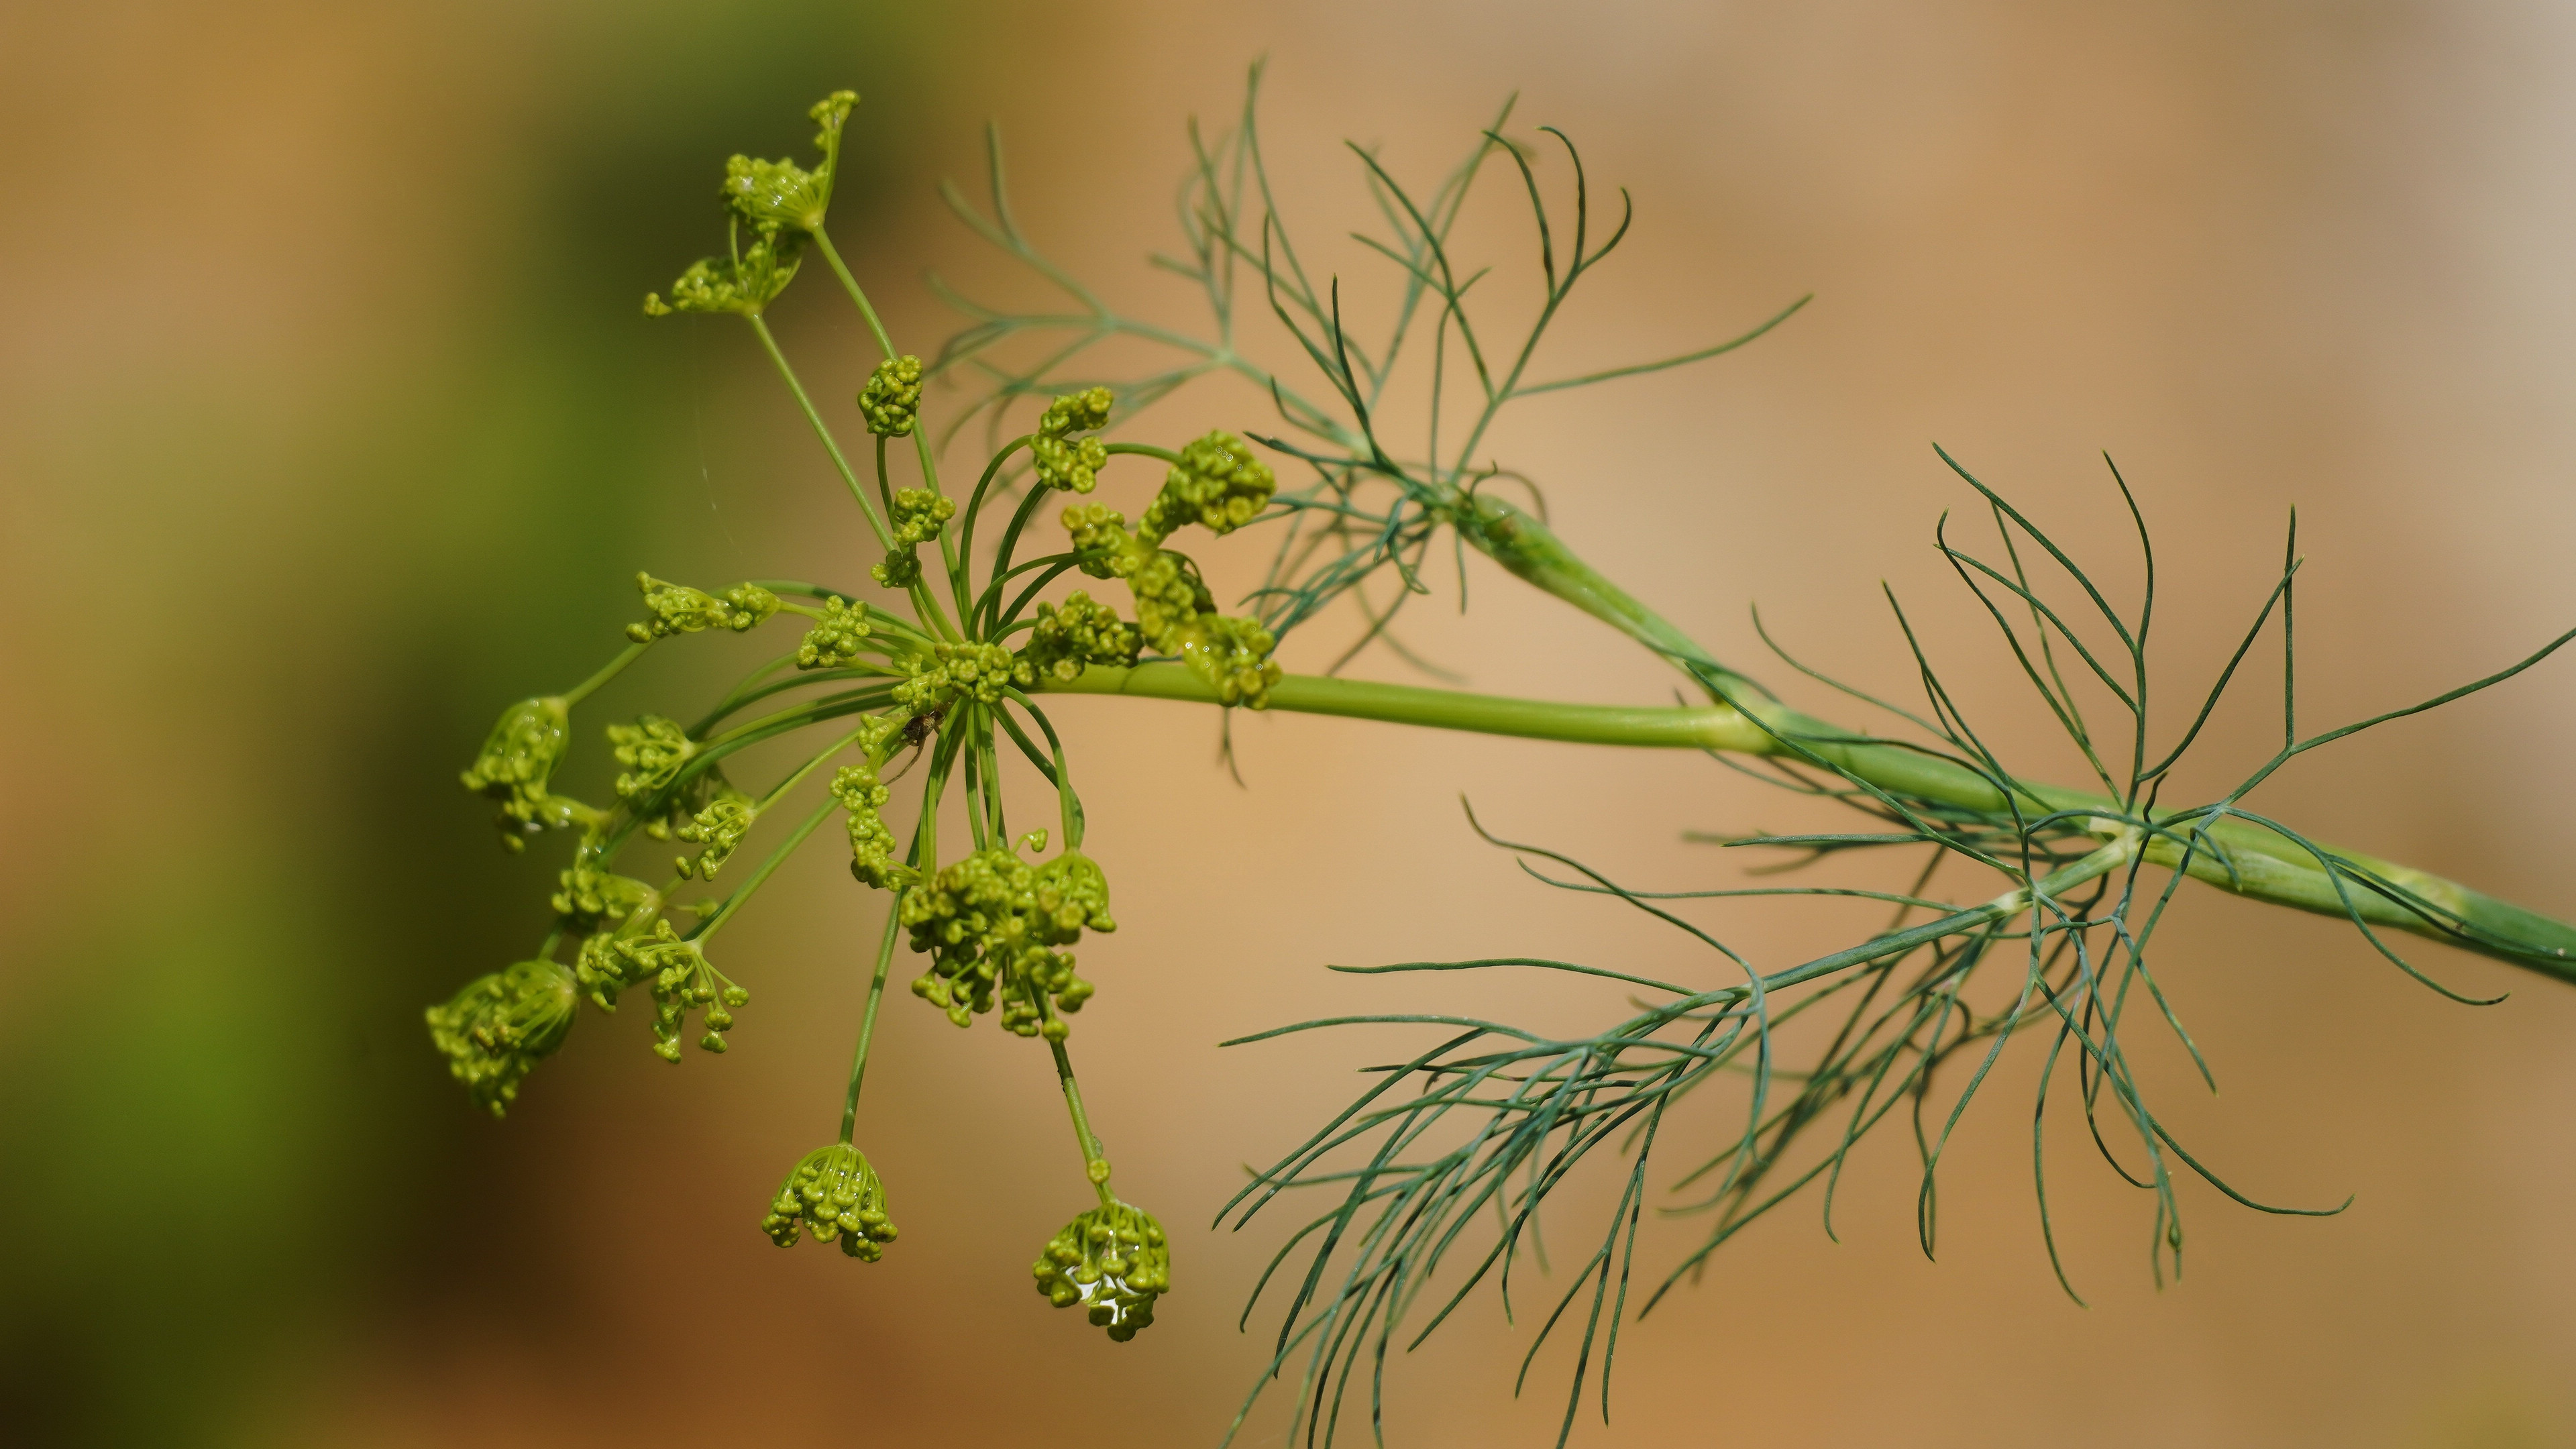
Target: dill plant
925	680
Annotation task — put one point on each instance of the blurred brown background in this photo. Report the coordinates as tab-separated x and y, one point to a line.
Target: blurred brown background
329	425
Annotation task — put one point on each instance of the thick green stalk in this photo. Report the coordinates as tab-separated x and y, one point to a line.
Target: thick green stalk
2236	855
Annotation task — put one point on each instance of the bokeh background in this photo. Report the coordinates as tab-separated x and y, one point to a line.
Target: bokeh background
328	424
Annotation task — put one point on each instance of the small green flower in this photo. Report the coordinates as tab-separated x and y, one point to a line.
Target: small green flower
517	760
500	1026
653	750
1100	535
720	827
602	970
679	609
745	284
832	1193
892	399
1113	1259
988	922
1076	412
1233	655
1218	484
586	895
873	857
1068	639
834	643
950	672
919	514
681	978
774	195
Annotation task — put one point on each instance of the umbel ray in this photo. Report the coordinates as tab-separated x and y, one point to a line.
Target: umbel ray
2031	914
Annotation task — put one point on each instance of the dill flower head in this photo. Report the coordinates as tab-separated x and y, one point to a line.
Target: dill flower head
517	760
744	284
835	642
1112	1259
891	401
720	828
1068	639
989	922
832	1193
679	609
681	978
1064	462
778	195
585	895
496	1030
919	514
1218	484
1234	655
872	846
653	750
949	672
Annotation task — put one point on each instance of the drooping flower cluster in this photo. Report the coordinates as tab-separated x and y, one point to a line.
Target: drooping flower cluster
1068	639
891	402
500	1026
516	764
679	974
837	640
1113	1260
777	203
919	514
679	609
990	922
1175	614
1067	463
832	1193
719	828
873	857
587	894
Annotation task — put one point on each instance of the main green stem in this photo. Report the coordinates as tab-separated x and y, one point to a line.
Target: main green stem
2236	855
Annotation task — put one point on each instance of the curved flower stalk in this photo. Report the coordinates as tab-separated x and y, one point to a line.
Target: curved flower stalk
911	695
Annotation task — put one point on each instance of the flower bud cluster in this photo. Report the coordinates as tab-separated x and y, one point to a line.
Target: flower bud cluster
873	853
720	828
1068	639
1218	484
1112	1259
988	922
1064	462
517	760
832	1193
500	1026
836	641
679	609
950	672
587	895
653	750
1175	614
681	977
744	284
891	401
919	514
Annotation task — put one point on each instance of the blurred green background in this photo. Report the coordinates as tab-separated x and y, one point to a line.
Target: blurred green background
330	425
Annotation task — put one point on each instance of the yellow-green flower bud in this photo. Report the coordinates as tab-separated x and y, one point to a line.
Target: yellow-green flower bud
517	760
679	609
1099	534
834	643
500	1026
1112	1260
1068	639
720	827
1233	655
775	195
832	1193
653	750
1217	484
1069	465
586	895
891	401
